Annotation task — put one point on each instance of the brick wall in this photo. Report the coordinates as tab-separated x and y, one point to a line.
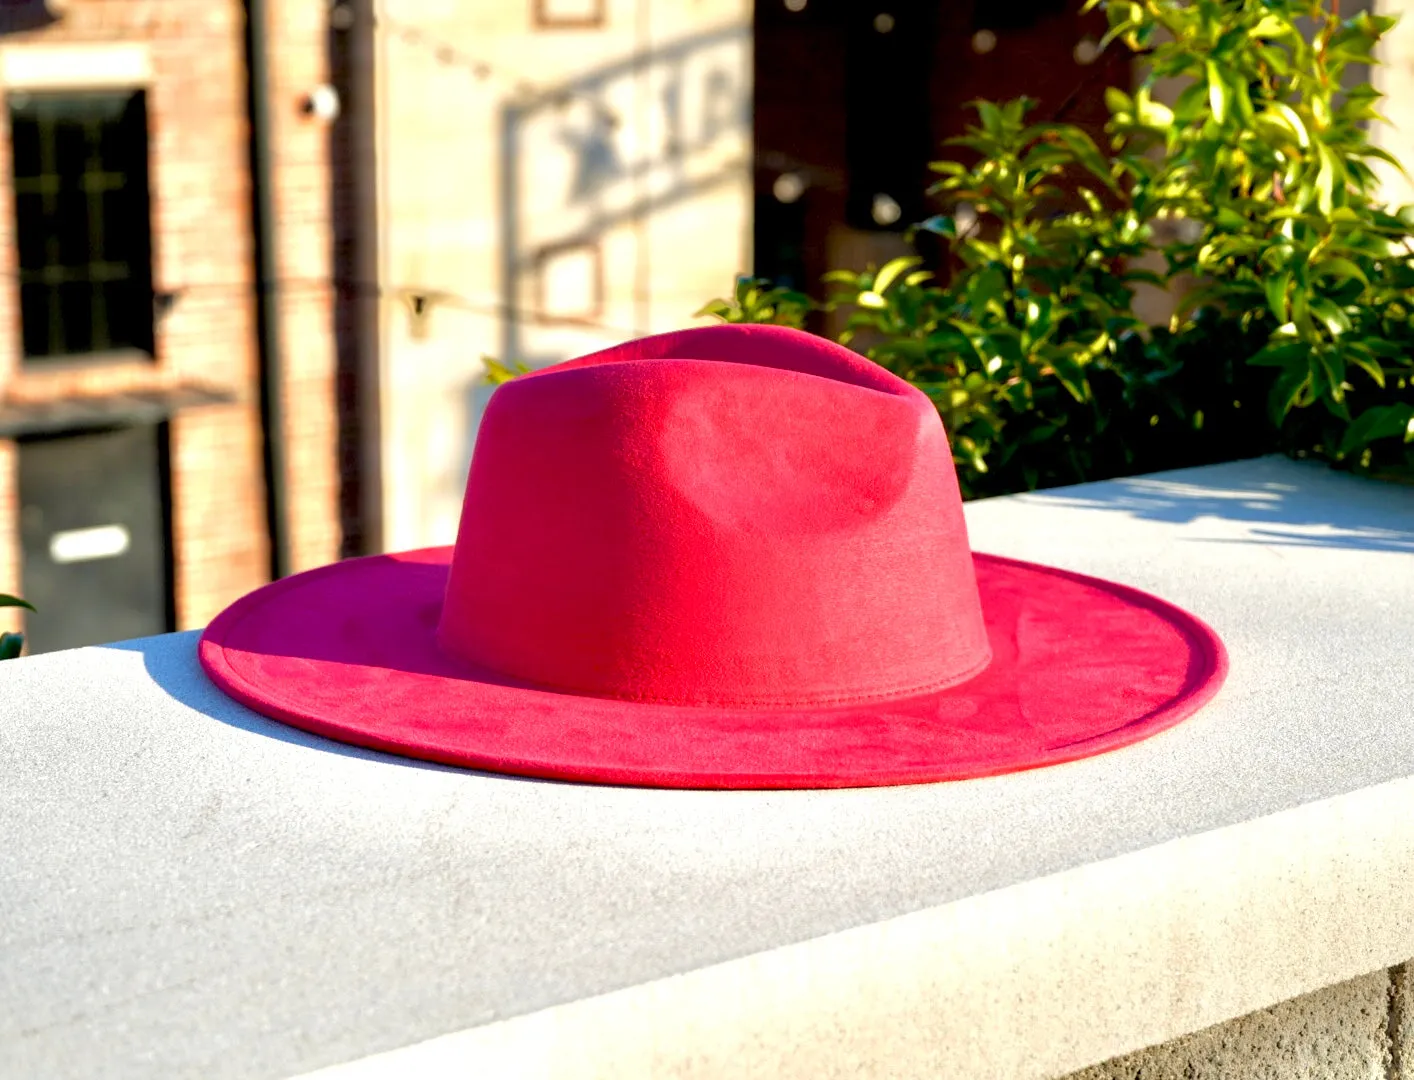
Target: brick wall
299	49
202	252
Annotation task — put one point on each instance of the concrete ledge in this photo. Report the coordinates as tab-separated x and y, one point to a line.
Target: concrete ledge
1031	981
189	889
1339	1032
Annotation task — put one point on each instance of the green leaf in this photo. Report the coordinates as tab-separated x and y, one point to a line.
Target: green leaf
891	271
1092	201
1272	26
1384	155
871	299
1286	116
1014	111
1217	93
1333	367
1275	288
1155	114
1362	359
1084	149
1341	269
1071	376
6	600
1275	58
940	224
1289	386
1237	92
1190	103
991	117
1290	354
1379	422
1325	180
1228	40
1230	219
11	645
1117	101
950	168
1332	317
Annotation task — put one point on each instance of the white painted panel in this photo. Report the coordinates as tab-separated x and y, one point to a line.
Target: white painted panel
85	545
74	67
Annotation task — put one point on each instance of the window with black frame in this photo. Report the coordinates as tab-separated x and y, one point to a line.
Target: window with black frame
84	223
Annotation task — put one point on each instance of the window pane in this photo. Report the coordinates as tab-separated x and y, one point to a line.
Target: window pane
24	140
122	227
70	151
84	222
34	318
72	229
129	309
75	310
32	232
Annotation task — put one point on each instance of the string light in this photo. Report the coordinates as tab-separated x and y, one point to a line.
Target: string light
450	56
170	298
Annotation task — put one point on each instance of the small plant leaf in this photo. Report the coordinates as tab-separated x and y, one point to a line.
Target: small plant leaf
11	645
1217	93
1379	422
892	270
1285	392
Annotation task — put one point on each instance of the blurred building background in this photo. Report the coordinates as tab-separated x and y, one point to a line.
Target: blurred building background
135	494
253	252
554	176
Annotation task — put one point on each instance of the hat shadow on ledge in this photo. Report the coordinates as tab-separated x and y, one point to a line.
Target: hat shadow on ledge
1328	510
178	673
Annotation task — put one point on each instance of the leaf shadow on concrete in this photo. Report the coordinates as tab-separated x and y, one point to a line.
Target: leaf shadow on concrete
1282	503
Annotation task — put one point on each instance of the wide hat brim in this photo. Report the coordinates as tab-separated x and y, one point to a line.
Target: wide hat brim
1080	666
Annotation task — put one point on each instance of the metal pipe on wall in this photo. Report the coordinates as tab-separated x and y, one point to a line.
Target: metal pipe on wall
267	292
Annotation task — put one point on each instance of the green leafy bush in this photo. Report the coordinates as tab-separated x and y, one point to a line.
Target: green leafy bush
496	373
1256	183
12	644
1036	311
756	301
1272	158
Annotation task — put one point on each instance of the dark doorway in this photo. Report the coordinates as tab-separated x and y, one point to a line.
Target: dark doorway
96	536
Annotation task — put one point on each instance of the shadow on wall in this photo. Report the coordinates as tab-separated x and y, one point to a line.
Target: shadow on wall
605	150
1327	509
573	172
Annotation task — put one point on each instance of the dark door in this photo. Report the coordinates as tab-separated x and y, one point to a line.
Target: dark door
95	536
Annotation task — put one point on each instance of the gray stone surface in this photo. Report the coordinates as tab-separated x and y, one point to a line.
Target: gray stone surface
189	889
1400	1023
1338	1033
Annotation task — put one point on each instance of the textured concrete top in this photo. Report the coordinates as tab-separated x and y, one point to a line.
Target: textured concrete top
188	889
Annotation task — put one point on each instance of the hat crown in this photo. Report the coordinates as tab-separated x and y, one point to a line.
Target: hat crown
730	516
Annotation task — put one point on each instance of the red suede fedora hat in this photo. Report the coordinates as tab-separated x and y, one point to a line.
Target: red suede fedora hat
730	557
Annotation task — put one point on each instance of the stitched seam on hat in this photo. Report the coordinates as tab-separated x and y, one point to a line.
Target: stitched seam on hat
901	693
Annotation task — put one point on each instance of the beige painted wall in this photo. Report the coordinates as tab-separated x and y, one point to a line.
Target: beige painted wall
547	192
1394	76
